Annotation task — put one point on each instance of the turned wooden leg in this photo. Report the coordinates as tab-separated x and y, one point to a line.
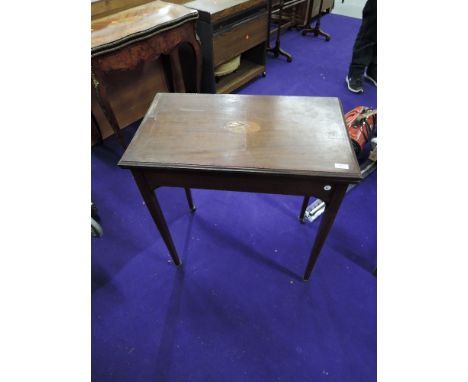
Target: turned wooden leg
305	203
327	221
188	194
155	210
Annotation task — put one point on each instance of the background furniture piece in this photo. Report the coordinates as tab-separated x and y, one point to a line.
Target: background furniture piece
296	12
301	149
125	47
287	14
316	28
227	29
301	16
291	13
273	8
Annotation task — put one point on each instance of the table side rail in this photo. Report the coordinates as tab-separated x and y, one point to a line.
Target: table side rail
321	188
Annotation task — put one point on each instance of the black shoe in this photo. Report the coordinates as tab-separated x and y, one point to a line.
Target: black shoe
354	84
371	75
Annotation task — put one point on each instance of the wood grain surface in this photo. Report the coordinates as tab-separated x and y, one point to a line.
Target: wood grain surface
132	21
265	134
247	34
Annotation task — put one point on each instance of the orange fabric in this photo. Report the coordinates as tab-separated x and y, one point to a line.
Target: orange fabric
360	122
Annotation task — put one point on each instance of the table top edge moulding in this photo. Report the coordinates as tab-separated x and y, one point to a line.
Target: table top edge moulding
336	176
238	134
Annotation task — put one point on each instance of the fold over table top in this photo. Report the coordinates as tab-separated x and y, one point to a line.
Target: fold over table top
122	28
259	134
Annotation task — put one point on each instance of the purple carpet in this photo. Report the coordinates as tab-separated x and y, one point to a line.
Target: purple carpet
238	309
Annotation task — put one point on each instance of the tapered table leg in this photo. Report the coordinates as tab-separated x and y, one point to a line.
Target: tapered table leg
325	225
188	193
155	210
305	203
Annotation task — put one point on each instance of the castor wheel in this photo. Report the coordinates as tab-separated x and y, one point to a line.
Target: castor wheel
304	33
264	74
289	59
328	38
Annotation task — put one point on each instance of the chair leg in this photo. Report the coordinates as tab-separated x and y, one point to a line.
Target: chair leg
305	203
188	193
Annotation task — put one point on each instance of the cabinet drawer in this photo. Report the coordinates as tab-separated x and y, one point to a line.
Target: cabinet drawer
238	38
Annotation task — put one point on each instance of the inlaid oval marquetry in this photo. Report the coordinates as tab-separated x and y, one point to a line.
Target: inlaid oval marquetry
242	126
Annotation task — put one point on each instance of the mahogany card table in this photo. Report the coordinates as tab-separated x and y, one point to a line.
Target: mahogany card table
265	144
127	40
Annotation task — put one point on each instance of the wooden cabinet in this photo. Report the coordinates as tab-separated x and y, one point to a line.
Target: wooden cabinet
228	29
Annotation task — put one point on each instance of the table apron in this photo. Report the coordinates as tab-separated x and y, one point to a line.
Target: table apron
260	183
147	49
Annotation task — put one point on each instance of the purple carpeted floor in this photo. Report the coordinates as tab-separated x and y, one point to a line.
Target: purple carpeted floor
238	309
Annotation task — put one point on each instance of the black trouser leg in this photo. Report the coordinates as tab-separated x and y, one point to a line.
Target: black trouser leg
365	46
372	67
